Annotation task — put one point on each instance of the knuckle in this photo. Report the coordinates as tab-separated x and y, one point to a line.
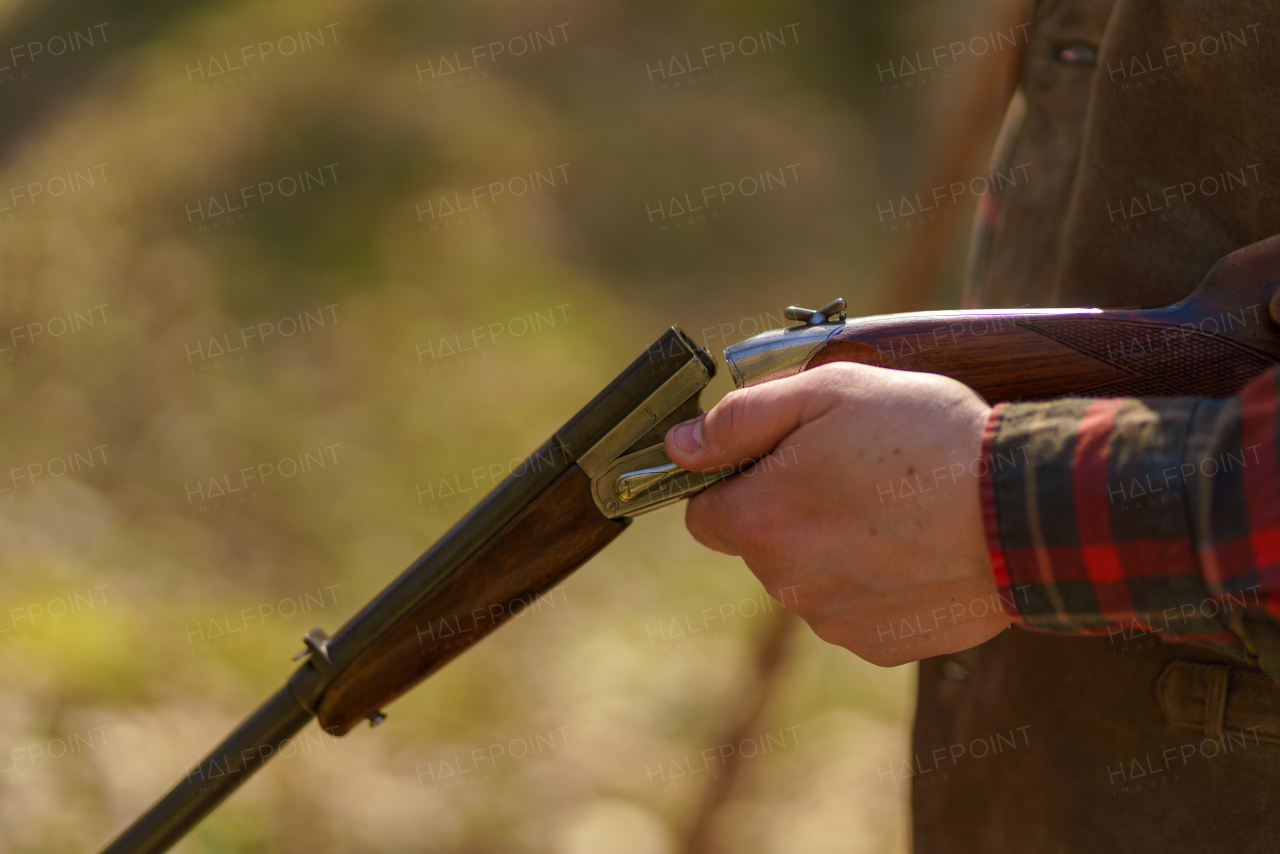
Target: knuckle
704	519
728	417
757	526
826	630
774	568
841	370
834	378
803	599
697	514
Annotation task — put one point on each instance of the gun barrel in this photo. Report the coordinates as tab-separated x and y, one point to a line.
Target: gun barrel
567	516
217	776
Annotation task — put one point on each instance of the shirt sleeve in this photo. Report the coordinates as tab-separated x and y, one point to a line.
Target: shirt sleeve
1157	514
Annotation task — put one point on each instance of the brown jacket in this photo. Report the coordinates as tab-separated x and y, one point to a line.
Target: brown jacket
1151	134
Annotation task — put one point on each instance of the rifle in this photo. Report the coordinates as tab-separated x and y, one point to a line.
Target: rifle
607	464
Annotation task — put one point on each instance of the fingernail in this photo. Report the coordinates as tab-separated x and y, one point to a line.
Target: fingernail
689	436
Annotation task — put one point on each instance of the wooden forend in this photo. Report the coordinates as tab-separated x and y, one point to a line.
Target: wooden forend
558	532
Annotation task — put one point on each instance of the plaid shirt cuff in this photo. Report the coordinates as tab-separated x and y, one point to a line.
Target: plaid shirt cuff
1158	514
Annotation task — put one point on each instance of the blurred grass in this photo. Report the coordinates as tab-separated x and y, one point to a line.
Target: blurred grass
400	423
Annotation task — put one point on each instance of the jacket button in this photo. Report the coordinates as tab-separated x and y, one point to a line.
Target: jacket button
956	671
1079	53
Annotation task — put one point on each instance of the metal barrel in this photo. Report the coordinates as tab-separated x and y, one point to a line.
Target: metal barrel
217	776
284	715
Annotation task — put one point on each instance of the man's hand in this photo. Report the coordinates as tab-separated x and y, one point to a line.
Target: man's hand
862	514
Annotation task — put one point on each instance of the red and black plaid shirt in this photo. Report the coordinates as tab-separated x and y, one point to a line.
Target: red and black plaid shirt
1129	515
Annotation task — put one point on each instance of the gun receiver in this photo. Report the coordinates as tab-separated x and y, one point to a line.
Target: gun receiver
577	492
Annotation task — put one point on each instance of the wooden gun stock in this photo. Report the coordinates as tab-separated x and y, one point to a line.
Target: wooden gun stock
1208	345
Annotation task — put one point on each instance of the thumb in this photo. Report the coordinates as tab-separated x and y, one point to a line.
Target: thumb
745	425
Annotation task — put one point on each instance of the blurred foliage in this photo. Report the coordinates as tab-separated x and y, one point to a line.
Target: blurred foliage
128	532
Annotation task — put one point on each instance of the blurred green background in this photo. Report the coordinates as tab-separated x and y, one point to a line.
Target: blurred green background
143	614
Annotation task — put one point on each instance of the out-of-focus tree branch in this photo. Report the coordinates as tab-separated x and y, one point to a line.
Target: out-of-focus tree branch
912	275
